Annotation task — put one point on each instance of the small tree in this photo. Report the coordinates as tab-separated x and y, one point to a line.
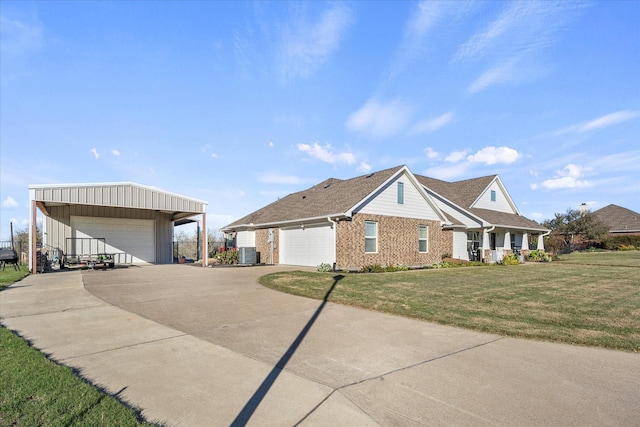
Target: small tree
574	228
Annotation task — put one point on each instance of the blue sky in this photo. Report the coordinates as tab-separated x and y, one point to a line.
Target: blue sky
239	103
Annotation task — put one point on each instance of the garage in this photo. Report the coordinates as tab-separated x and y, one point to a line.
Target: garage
308	245
133	222
131	241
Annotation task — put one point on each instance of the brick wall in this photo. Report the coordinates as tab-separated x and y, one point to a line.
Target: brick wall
397	242
262	245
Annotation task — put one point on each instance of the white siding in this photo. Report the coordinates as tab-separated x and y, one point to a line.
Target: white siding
460	245
132	240
501	204
386	202
246	239
125	195
464	219
309	246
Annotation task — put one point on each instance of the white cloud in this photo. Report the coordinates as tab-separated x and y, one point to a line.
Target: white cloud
275	178
609	120
513	43
568	177
432	124
9	203
270	144
18	37
380	120
115	152
431	153
95	152
536	215
499	74
306	46
533	186
364	167
492	155
326	154
214	155
456	156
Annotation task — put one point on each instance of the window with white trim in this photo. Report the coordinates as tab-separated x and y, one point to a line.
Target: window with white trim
400	193
371	236
493	195
423	238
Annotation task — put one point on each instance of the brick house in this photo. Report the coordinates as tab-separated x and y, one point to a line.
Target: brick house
386	217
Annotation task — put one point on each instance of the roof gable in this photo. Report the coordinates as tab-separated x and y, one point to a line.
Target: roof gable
472	198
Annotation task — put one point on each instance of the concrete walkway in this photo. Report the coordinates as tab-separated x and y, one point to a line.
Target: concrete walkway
209	347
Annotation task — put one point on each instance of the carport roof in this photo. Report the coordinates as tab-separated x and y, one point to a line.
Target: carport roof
116	194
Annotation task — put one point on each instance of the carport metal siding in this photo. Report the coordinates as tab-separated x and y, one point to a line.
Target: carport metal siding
126	196
58	225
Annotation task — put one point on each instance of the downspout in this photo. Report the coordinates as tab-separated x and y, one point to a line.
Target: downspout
334	227
541	240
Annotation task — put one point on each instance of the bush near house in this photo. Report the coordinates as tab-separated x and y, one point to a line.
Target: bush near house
539	256
624	243
228	257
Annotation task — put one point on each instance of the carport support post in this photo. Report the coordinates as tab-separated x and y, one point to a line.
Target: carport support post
203	241
33	235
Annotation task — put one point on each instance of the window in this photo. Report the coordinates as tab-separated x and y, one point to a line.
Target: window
400	193
423	238
371	236
473	244
493	195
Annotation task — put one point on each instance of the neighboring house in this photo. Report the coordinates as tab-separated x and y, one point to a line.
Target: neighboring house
619	220
387	217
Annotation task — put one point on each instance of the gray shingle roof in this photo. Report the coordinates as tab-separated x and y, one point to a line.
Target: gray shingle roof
335	197
464	193
330	197
618	219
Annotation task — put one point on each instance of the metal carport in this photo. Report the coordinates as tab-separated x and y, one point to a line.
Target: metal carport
120	210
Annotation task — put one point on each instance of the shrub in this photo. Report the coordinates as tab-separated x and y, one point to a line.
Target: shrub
539	256
324	267
373	268
511	259
617	242
227	257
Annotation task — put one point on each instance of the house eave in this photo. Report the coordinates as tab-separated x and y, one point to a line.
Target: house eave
286	223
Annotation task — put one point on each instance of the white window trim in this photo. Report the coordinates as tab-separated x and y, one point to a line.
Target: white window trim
375	238
425	239
400	193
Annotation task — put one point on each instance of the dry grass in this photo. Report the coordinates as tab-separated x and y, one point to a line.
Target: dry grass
576	303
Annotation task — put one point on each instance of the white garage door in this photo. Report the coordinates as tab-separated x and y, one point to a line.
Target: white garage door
133	240
309	246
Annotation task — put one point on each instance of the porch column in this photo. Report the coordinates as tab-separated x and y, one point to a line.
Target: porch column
525	241
541	242
507	241
205	244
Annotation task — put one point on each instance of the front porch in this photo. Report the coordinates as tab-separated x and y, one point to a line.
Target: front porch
491	245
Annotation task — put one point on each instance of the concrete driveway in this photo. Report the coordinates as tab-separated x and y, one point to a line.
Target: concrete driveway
202	347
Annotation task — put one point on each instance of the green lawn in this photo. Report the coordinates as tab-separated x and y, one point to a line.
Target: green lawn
570	301
35	391
10	275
